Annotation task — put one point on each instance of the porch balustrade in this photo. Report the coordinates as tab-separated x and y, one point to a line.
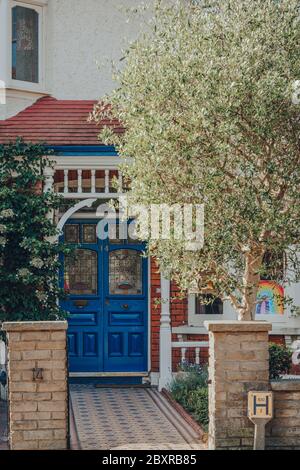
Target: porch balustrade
84	183
185	345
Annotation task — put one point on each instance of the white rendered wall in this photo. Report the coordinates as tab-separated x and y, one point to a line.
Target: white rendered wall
81	40
81	33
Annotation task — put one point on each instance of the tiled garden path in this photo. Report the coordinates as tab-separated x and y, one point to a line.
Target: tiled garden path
127	418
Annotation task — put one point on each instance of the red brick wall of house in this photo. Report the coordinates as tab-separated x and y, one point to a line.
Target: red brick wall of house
179	307
295	370
278	339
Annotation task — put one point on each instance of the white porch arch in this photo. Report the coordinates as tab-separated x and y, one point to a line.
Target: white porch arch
73	210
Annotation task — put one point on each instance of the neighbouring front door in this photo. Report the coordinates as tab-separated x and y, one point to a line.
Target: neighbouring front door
106	287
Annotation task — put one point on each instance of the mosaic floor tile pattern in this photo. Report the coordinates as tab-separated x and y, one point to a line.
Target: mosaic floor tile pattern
123	418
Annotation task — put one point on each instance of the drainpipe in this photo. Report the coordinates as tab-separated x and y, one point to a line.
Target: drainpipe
165	336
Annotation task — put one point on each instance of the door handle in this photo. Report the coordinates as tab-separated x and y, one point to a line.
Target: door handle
125	306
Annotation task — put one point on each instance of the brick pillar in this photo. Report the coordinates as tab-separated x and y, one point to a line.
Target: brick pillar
238	363
38	406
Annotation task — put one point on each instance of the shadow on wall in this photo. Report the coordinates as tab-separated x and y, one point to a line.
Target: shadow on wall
3	397
3	426
2	371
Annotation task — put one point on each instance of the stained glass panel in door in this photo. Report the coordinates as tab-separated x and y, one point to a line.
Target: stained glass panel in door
81	273
125	272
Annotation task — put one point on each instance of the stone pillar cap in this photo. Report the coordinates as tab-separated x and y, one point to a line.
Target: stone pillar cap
34	325
237	326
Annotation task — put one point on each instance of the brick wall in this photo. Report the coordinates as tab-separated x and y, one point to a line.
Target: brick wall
38	413
295	369
283	432
179	307
278	339
155	314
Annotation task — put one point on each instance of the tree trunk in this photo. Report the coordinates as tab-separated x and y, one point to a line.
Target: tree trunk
253	262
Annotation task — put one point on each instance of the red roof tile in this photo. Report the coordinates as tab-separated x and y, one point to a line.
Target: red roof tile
56	122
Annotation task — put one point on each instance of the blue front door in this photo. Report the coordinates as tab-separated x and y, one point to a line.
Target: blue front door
106	283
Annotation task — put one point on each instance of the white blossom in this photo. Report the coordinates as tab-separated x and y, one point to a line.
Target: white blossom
7	214
23	273
37	263
42	296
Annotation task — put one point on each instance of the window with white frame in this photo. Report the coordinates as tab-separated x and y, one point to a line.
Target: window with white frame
208	305
27	44
203	307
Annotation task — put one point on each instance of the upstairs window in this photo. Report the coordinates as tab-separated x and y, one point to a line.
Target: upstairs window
25	44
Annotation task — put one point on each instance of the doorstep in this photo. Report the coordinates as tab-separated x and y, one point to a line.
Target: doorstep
108	374
110	378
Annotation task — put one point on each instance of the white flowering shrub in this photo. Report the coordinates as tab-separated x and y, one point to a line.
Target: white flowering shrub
29	262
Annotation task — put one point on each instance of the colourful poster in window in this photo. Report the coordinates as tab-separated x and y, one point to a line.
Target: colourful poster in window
270	298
